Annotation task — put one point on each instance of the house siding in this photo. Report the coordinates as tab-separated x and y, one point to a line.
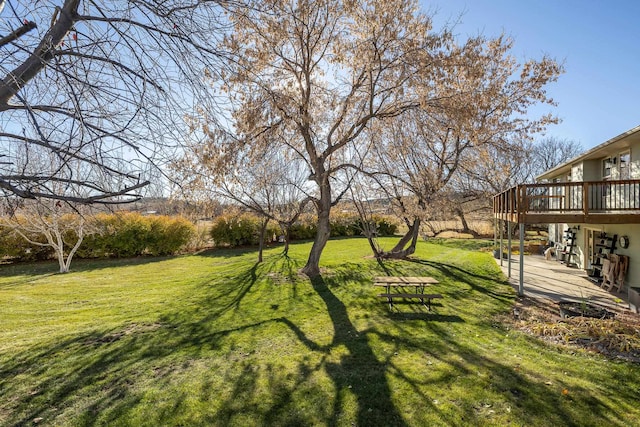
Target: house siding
577	172
634	166
591	170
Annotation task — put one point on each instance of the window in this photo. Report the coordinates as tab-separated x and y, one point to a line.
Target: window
606	167
625	159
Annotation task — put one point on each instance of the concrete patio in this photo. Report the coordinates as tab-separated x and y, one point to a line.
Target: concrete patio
553	280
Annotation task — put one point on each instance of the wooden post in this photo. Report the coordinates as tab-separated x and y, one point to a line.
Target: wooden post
501	237
585	199
521	287
495	229
509	251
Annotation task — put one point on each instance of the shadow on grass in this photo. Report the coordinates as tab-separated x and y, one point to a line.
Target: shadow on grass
29	278
359	371
39	269
527	398
429	316
105	374
477	282
105	366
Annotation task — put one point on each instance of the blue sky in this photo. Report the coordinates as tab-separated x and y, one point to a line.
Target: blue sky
598	42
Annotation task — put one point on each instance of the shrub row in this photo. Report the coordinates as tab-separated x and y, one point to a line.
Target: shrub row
109	235
131	234
239	230
244	229
14	246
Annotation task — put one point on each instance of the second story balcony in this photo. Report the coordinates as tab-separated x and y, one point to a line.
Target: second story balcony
589	202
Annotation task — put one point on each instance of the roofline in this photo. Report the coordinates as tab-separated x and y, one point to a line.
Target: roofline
565	165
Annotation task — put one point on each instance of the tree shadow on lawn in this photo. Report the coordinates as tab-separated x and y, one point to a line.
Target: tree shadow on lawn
525	396
368	377
40	269
103	372
34	270
477	282
359	371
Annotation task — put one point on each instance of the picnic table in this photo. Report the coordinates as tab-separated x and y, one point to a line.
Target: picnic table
395	288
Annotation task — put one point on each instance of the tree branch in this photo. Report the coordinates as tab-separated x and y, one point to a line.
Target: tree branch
17	33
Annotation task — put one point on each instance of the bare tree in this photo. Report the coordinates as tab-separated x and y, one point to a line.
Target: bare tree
274	189
485	96
502	167
59	225
48	223
97	82
550	152
321	72
271	184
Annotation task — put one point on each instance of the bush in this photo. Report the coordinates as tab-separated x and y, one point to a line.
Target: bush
169	234
304	229
345	224
234	230
119	235
17	248
241	230
349	224
130	234
386	226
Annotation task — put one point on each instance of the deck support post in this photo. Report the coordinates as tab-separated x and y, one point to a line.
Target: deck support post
501	240
495	231
521	285
509	251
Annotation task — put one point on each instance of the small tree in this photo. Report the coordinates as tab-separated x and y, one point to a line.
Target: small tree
45	221
274	187
484	98
62	225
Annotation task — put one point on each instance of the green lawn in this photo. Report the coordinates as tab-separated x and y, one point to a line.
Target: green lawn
216	339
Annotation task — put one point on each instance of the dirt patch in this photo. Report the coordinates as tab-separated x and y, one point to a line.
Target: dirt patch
617	338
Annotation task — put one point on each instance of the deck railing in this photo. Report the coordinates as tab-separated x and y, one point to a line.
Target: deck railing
532	202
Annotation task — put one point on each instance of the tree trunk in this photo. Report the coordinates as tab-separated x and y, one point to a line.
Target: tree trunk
323	206
312	268
465	225
401	250
55	241
374	247
263	230
64	268
73	250
287	236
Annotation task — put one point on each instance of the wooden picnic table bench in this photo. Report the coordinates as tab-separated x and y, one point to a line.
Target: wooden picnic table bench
401	282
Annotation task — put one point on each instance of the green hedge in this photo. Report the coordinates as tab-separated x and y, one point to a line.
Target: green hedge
304	229
14	246
131	234
128	234
118	235
240	230
349	224
243	230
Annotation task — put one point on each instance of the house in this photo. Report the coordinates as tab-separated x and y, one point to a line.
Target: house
591	204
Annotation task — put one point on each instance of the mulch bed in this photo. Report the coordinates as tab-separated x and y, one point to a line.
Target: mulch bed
617	338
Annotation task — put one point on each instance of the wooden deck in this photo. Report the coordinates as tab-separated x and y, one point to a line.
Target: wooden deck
589	202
